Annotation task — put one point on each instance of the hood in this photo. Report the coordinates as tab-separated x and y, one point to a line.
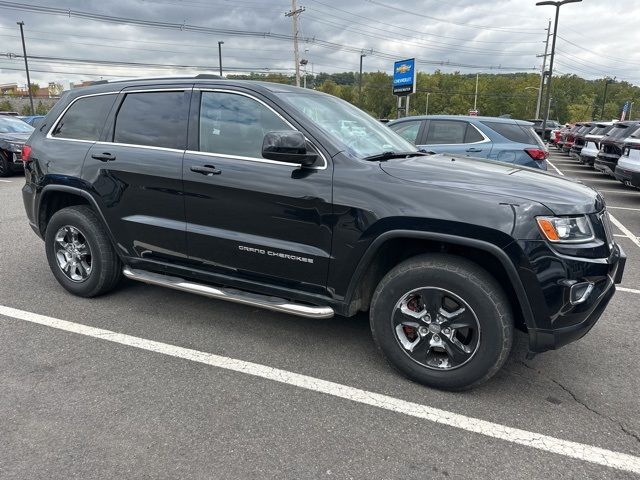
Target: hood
15	137
561	195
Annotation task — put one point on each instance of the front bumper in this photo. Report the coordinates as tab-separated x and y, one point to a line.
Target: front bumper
558	321
587	159
605	164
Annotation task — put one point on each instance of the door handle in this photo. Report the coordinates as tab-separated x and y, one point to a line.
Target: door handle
474	150
207	170
104	156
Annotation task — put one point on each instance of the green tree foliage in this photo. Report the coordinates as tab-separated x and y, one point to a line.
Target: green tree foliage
26	109
6	106
573	98
41	108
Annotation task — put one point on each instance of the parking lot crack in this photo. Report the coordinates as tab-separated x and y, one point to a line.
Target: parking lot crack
621	425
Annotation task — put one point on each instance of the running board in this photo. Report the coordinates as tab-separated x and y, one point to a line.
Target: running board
230	294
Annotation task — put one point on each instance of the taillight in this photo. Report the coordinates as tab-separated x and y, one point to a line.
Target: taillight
537	154
26	153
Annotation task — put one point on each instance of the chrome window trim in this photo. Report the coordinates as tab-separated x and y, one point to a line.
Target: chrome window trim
55	124
258	159
136	145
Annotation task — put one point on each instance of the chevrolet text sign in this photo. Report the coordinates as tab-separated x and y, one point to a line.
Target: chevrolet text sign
404	77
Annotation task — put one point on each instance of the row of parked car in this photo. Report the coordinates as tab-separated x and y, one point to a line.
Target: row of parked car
610	147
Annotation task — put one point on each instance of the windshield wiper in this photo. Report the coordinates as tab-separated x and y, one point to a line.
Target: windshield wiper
391	154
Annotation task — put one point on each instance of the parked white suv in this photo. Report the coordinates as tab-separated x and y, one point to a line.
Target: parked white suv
591	147
628	168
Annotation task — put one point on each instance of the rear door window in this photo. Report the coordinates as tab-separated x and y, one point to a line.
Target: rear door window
446	132
85	118
156	119
514	132
408	130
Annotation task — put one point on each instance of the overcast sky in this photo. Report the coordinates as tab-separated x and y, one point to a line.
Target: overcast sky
598	37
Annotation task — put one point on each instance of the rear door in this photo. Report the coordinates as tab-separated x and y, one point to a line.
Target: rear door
457	137
136	172
247	216
410	130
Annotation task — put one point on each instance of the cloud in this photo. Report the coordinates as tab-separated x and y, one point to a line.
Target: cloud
597	38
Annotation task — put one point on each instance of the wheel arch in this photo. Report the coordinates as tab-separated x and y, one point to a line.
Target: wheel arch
56	197
392	247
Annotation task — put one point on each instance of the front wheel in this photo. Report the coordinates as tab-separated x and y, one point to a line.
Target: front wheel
442	321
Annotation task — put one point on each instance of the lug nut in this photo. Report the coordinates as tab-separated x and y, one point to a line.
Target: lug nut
423	331
436	338
446	331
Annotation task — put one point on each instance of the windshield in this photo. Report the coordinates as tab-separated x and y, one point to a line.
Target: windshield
361	134
13	125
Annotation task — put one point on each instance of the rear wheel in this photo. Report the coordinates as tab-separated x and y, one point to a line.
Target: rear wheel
442	321
80	253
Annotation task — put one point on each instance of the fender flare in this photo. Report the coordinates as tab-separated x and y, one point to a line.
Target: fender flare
75	191
483	245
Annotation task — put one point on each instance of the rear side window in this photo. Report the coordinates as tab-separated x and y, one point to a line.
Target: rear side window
618	132
407	130
473	135
514	132
155	119
85	118
446	132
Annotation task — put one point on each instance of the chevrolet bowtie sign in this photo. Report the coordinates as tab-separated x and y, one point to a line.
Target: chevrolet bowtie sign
404	77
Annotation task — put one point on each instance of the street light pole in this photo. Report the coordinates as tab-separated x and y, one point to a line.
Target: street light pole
26	67
604	100
426	110
220	56
553	51
362	55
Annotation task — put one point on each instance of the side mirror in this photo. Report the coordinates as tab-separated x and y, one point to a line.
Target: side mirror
287	146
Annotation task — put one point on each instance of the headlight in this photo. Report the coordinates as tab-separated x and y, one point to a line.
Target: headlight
566	229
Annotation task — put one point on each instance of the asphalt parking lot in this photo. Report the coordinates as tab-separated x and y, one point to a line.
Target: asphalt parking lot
194	388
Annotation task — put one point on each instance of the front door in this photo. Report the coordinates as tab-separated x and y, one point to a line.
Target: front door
256	219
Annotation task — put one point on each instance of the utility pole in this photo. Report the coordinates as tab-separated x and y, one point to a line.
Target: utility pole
26	67
475	98
426	110
553	51
362	55
294	13
604	100
220	56
542	73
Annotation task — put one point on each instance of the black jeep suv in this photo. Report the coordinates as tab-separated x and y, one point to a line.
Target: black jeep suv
298	202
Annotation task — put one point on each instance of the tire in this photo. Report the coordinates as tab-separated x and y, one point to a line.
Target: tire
104	267
5	166
414	287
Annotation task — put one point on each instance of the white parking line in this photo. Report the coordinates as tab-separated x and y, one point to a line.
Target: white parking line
580	451
628	290
623	208
621	192
5	181
614	220
625	230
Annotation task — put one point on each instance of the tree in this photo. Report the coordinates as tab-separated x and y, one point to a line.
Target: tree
25	110
35	87
41	108
6	106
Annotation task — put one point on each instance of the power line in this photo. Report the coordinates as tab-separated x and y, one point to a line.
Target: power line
404	29
244	33
460	24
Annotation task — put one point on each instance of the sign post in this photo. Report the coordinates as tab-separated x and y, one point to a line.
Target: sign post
404	82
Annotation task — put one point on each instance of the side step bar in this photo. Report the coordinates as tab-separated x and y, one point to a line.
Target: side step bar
230	294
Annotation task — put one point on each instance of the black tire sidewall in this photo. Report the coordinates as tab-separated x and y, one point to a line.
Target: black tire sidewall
481	294
79	219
